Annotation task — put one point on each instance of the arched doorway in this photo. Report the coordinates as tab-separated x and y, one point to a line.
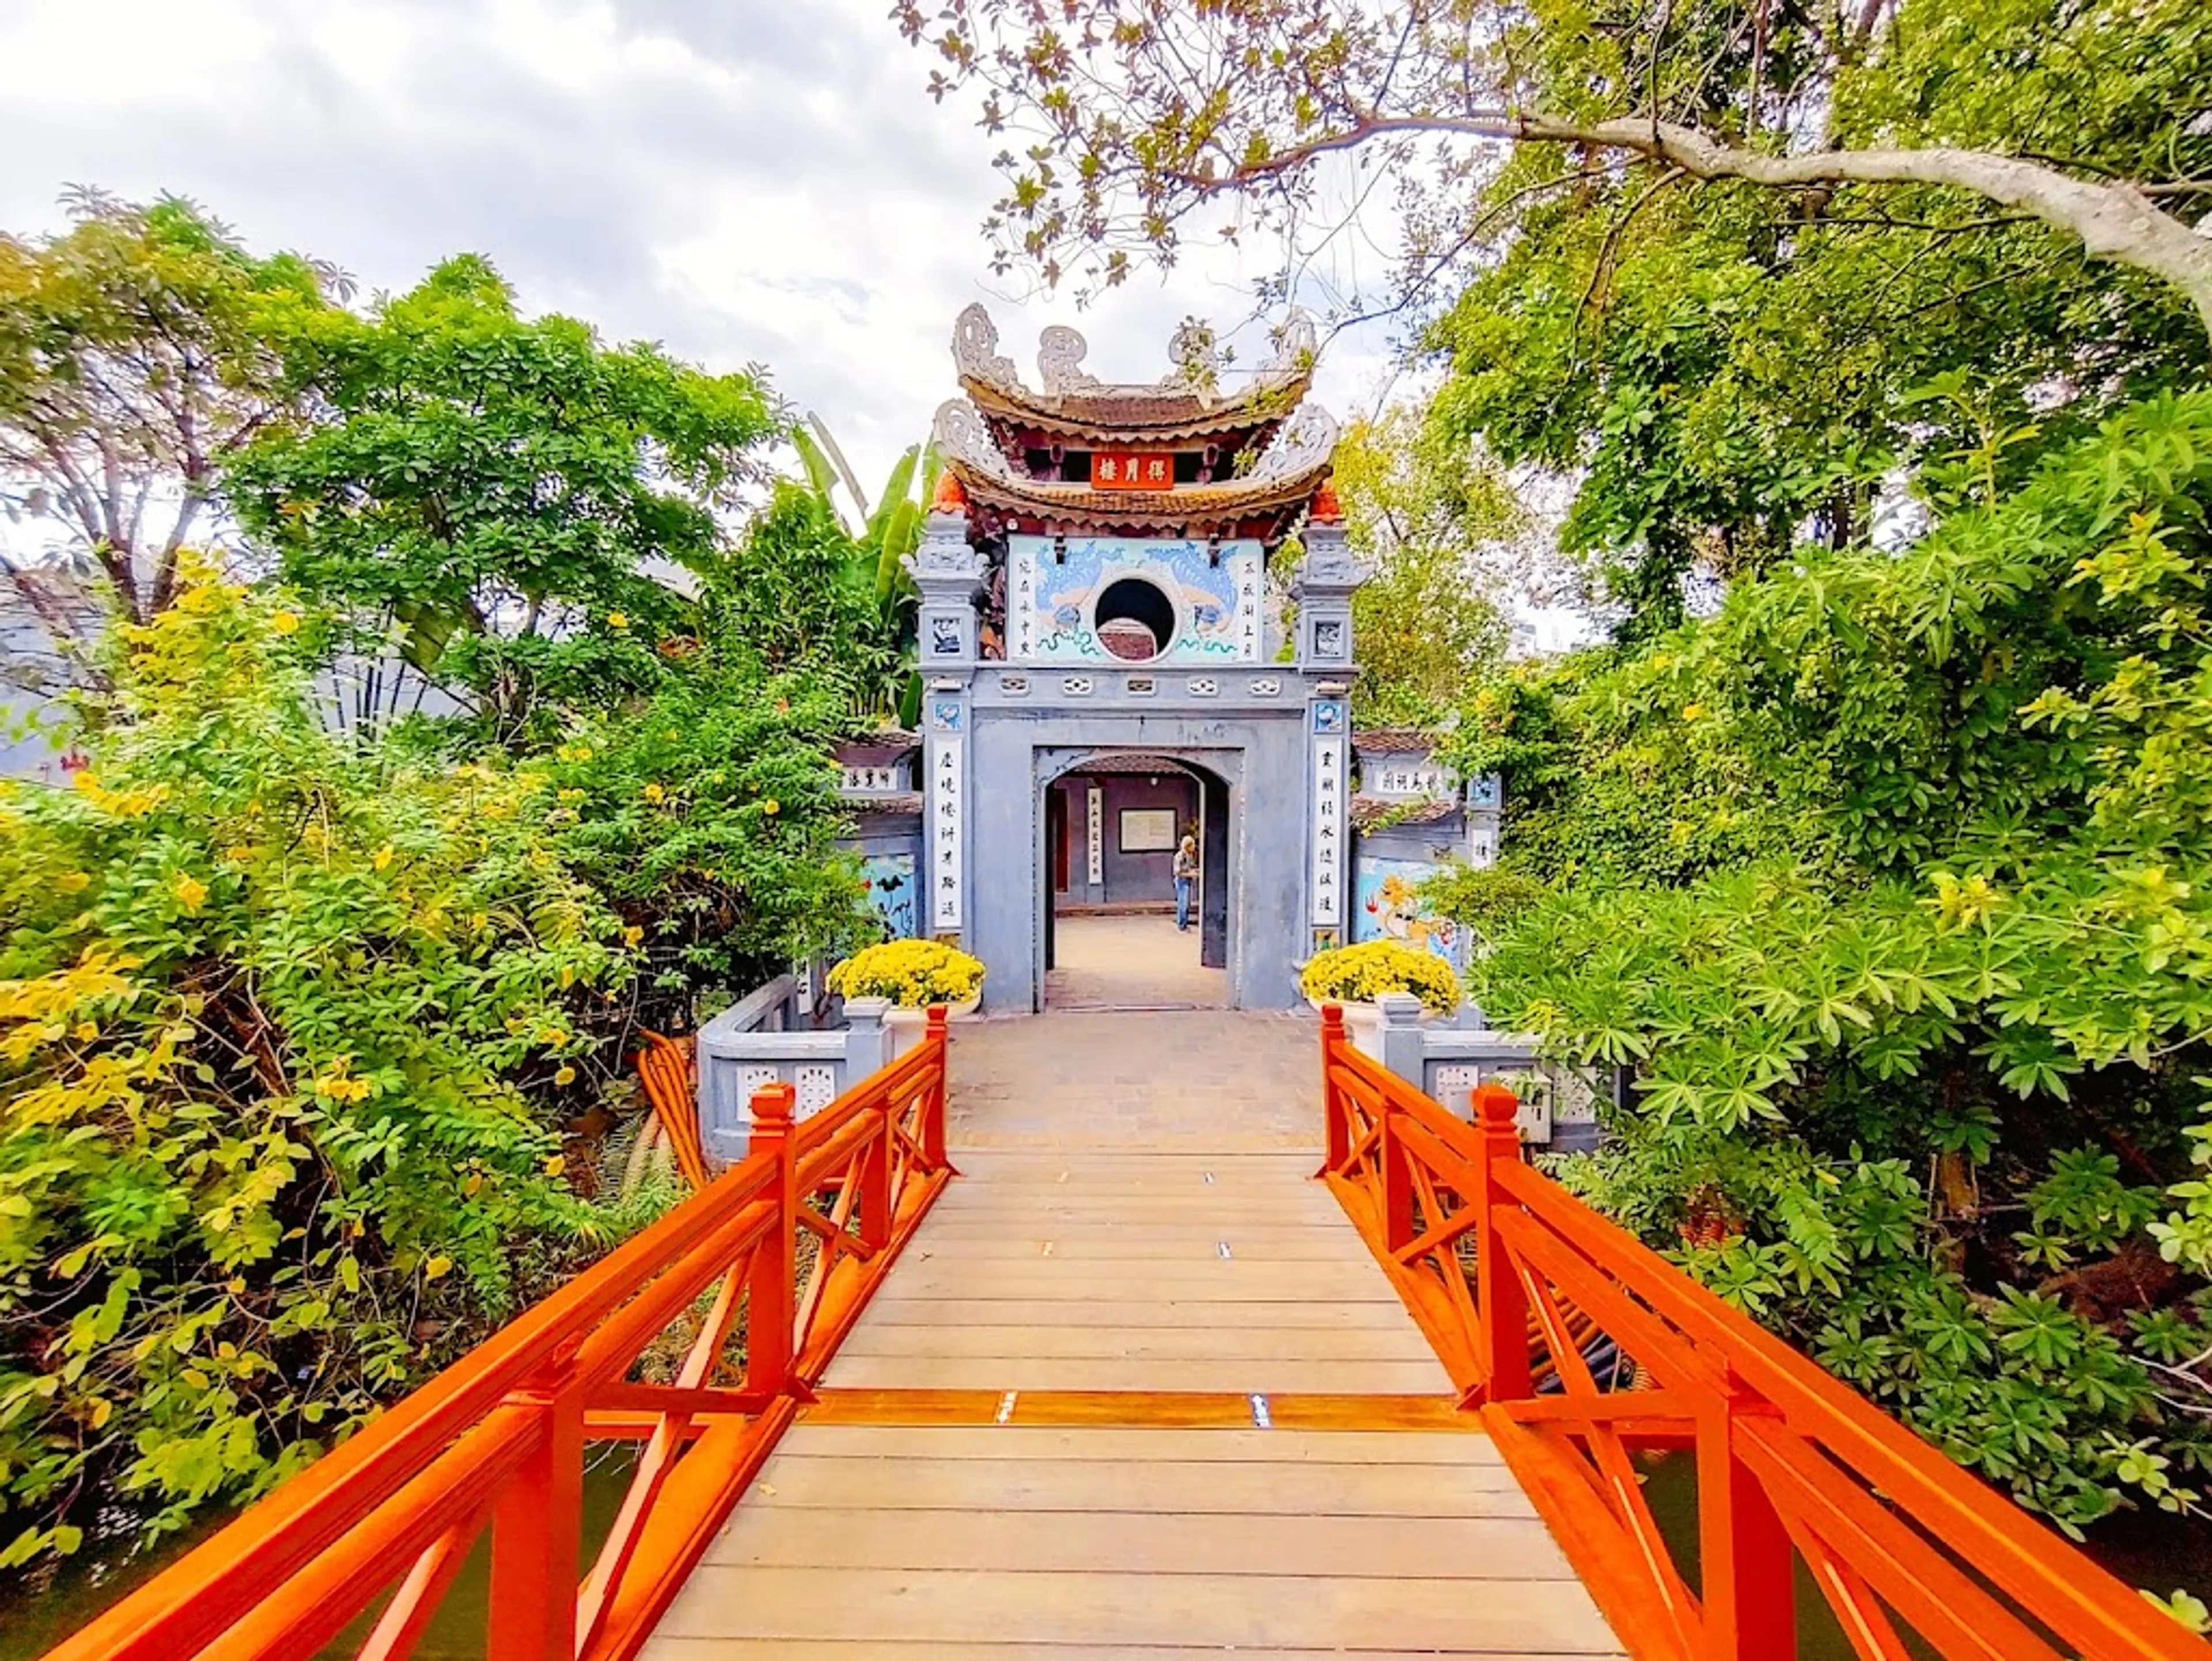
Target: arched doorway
1112	820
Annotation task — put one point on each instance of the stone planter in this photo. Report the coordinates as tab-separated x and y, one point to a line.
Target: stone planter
908	1025
1363	1020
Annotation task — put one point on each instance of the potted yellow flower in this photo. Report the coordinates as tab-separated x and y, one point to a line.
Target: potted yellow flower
1355	976
912	974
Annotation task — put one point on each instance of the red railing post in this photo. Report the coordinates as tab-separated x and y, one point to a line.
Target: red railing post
538	1526
1499	1298
874	1174
1397	1172
937	1036
769	1288
1334	1119
1750	1585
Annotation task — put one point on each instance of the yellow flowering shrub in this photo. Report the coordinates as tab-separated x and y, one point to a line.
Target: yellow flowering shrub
912	973
256	1088
1360	974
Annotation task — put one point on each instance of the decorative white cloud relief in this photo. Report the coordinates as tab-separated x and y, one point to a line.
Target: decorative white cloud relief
746	181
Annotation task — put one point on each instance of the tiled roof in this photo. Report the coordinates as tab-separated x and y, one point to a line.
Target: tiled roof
1393	740
1121	766
1138	414
877	750
1185	505
1368	812
883	804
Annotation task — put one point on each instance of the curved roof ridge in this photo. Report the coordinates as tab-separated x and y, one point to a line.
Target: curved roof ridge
1188	401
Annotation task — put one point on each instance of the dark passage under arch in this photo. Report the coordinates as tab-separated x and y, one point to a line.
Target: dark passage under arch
1130	610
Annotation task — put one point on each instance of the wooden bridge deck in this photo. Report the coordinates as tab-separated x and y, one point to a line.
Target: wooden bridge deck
1135	1390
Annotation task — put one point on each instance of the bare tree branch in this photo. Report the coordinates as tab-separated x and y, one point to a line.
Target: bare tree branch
2114	221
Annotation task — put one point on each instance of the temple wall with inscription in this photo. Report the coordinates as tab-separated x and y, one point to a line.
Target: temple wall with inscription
1059	592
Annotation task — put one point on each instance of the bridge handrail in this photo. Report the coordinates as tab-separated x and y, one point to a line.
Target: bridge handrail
495	1441
1486	1251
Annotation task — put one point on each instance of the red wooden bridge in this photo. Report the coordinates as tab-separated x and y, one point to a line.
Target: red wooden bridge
1147	1398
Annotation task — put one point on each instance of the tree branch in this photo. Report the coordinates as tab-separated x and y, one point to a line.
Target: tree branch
2114	220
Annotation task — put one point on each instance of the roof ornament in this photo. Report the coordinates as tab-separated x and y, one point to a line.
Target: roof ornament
961	435
975	352
1307	439
1297	344
1060	361
1198	361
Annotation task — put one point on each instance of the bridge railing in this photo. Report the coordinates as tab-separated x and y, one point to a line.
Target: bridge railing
736	1300
1513	1279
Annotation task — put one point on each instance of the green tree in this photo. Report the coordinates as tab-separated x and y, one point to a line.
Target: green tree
1797	279
823	584
884	533
511	499
1132	120
1430	520
137	355
707	815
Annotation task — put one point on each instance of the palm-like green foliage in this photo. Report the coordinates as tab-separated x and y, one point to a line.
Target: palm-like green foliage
882	535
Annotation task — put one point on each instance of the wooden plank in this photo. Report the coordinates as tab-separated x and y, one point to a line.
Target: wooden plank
1156	1411
1207	1610
825	1435
1018	1214
1195	1245
1155	1487
830	1649
1135	1310
1141	1342
1232	1281
1168	1226
1480	1549
1094	1170
1048	1372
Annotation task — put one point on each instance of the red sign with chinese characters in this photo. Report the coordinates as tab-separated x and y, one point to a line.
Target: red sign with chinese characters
1132	470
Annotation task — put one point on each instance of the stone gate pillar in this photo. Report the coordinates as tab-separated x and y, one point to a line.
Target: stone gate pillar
1327	579
949	573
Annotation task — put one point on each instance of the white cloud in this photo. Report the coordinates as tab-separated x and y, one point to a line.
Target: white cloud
743	180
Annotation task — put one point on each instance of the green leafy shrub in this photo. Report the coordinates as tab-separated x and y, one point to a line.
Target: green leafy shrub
269	1011
1893	885
707	815
1488	898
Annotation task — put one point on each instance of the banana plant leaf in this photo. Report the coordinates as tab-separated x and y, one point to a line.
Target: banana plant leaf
895	494
819	476
836	455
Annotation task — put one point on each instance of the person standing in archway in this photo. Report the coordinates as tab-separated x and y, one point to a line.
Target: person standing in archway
1186	879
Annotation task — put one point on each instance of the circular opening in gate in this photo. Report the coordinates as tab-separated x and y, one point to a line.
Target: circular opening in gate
1134	619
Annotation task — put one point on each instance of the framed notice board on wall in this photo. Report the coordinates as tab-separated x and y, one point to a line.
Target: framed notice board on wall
1148	830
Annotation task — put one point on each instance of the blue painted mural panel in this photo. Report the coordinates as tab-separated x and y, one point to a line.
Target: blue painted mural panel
1052	604
1388	908
890	891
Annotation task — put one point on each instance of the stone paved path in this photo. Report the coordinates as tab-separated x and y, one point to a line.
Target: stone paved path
1178	1080
1139	962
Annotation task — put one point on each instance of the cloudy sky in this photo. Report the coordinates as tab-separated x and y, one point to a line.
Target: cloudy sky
745	181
